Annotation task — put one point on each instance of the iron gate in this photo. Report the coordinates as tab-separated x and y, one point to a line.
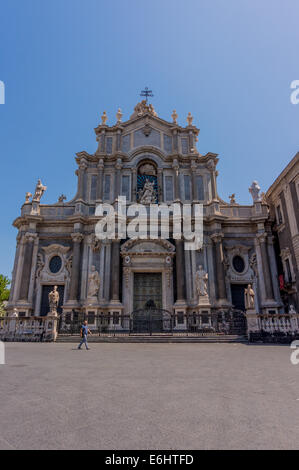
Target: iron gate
151	320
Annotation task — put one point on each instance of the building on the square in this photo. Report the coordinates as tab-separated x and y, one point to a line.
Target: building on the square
283	199
56	243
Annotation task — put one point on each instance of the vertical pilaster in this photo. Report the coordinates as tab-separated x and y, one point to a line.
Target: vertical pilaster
100	180
194	194
134	185
81	178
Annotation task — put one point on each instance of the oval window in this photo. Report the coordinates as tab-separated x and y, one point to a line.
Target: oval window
238	264
55	264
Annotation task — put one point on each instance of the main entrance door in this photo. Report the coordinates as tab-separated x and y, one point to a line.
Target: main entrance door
147	290
238	299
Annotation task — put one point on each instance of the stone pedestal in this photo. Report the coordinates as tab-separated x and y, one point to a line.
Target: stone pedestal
252	321
180	310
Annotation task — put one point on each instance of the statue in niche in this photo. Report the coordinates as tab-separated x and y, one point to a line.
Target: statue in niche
249	297
54	300
201	280
148	194
93	282
39	191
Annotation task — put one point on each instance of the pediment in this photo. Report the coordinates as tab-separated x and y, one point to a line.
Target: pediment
147	246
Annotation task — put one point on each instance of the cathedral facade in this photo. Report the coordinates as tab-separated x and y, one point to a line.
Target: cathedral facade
147	160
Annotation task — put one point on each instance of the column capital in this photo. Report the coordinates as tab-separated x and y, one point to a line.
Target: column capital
30	237
217	237
82	165
77	237
262	237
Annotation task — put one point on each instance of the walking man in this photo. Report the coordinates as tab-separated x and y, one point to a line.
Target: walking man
85	331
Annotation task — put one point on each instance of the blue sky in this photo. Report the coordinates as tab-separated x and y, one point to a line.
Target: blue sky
65	61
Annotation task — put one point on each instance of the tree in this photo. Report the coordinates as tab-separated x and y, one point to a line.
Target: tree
4	292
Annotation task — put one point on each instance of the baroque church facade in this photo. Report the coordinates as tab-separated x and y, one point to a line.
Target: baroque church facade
150	160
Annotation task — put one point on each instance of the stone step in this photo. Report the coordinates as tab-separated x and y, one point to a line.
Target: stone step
155	339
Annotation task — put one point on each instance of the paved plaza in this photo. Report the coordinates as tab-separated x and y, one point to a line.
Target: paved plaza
149	396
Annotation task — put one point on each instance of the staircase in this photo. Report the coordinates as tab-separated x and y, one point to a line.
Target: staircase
156	338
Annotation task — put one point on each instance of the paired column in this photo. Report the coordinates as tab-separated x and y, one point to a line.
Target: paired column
180	271
115	264
77	239
220	276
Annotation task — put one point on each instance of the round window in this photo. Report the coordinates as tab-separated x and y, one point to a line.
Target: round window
55	264
238	264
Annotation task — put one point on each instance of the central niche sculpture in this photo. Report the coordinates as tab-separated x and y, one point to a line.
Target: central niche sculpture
147	184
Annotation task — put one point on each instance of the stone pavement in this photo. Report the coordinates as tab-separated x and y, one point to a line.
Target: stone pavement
149	396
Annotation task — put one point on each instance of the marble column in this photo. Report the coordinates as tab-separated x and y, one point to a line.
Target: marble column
176	167
100	180
74	286
266	268
220	275
115	265
29	239
117	183
180	271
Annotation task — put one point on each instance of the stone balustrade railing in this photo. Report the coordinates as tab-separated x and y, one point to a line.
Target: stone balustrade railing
28	328
284	323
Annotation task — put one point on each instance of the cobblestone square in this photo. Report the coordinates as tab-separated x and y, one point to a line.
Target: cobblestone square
148	396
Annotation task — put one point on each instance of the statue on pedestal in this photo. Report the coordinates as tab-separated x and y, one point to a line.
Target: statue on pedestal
54	301
14	313
39	191
201	280
249	298
93	282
